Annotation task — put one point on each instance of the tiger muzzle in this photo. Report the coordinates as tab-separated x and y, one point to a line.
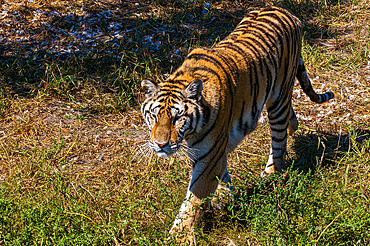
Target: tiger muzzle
164	137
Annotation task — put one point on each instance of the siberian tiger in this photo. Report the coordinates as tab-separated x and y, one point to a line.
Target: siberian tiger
214	99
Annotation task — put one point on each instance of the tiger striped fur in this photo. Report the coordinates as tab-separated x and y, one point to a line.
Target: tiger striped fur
215	98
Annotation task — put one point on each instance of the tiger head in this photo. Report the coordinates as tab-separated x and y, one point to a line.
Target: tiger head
172	112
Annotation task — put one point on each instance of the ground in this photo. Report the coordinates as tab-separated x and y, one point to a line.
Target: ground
70	126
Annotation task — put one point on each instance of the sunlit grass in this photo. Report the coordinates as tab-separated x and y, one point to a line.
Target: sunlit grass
69	128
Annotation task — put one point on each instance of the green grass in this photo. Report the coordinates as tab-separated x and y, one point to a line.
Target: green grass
70	126
300	209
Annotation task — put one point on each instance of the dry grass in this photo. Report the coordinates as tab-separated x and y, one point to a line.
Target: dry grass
69	127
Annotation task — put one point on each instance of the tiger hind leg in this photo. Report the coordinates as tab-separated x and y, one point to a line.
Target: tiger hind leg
282	119
293	122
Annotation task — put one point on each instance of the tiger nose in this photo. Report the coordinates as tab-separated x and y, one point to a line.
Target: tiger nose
161	145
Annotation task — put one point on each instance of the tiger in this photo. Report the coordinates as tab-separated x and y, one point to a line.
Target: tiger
215	98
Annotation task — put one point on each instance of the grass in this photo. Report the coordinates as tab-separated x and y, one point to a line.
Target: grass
69	125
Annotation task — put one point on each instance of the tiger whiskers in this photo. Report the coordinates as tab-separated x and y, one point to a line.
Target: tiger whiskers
181	153
189	152
143	152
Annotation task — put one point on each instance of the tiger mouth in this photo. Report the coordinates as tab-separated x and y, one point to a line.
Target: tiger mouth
166	151
163	153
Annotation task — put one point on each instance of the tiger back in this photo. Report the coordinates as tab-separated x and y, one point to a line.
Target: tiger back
215	98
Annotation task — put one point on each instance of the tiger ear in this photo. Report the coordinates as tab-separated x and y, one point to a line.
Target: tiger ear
194	89
149	87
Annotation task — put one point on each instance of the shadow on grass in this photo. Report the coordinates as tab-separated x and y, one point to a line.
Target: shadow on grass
277	206
111	51
323	150
114	45
313	152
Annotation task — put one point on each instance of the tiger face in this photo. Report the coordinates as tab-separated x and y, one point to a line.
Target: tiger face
171	114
